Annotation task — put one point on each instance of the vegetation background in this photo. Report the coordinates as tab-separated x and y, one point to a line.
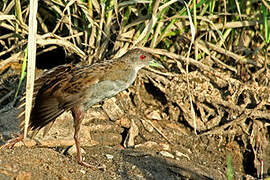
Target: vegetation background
219	87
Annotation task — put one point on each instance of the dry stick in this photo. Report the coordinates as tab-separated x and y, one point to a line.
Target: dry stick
98	39
150	24
18	10
64	43
69	20
157	84
235	24
160	8
135	23
160	73
6	36
7	96
14	57
116	12
51	48
31	62
238	58
244	115
91	40
206	50
107	27
193	31
42	23
7	17
127	3
91	20
159	131
7	26
13	47
225	11
179	57
11	28
156	34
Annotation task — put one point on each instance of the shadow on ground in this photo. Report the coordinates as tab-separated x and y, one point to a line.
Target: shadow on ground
154	167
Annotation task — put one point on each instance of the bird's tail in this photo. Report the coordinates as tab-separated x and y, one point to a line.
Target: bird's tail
44	109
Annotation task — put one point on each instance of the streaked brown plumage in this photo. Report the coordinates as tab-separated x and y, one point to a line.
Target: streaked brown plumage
77	88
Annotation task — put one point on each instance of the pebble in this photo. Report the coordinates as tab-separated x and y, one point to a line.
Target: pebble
82	171
154	115
179	154
165	146
166	154
147	126
109	156
148	144
72	150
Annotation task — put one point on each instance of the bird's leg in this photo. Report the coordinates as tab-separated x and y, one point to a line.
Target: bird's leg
10	143
77	114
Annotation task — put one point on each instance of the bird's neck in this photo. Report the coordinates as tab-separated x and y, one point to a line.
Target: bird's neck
123	72
132	75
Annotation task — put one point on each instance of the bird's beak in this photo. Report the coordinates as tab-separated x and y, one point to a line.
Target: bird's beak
154	63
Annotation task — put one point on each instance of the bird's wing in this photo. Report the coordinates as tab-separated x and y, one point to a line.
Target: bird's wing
48	75
52	97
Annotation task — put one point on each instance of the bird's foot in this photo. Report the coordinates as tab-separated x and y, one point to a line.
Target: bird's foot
82	163
10	143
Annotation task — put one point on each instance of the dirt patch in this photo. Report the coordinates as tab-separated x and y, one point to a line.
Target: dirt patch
187	156
155	119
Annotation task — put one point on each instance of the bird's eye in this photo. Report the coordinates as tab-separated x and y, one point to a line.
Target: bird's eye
143	57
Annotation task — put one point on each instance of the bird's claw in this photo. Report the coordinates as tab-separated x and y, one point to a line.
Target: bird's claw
10	143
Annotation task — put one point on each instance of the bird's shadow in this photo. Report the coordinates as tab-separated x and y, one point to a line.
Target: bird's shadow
9	124
153	167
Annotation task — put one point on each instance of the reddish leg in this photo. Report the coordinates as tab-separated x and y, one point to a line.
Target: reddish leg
77	114
10	143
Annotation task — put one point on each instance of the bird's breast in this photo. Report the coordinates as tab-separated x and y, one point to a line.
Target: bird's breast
103	90
109	86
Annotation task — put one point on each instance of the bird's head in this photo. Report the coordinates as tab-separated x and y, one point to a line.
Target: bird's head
139	59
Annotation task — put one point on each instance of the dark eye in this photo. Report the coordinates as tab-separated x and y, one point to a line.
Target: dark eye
143	57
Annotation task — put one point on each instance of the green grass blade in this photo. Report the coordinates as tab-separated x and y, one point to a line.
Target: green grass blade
229	167
23	71
266	23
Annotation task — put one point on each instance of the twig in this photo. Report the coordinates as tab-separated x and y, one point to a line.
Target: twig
31	62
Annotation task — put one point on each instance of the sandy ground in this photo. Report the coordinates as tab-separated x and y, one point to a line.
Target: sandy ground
152	158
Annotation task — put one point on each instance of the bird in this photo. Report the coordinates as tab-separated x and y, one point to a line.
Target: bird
76	88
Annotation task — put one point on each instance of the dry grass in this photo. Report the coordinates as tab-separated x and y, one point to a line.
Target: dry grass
230	51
